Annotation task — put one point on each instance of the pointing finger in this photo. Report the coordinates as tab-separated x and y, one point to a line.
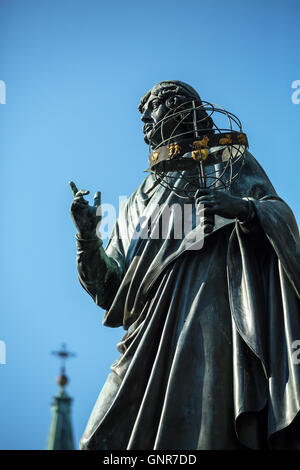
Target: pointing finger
203	207
204	199
203	212
73	187
81	193
97	199
202	192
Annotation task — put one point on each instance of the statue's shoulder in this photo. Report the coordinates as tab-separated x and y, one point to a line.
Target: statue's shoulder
145	190
254	178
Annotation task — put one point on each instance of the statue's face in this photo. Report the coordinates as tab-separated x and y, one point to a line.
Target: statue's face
163	121
154	110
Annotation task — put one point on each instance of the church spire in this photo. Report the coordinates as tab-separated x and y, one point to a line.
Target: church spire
61	433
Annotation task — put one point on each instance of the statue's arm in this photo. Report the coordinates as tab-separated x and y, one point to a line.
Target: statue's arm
99	274
229	206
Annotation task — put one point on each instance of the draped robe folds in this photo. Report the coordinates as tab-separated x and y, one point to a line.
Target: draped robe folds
208	358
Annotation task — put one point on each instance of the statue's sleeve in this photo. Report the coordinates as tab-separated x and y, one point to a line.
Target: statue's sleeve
272	221
251	226
99	274
100	270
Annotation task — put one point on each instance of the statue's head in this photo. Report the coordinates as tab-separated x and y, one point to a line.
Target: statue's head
159	103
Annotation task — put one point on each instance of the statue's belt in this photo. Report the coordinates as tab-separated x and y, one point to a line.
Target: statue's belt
199	150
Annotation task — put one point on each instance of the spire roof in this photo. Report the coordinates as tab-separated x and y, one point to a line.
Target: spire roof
61	432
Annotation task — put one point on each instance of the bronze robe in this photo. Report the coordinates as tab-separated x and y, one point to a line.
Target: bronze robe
207	360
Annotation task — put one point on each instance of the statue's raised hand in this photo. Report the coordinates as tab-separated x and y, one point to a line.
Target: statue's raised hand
86	218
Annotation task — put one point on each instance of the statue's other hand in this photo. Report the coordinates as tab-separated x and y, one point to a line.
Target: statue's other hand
222	203
85	217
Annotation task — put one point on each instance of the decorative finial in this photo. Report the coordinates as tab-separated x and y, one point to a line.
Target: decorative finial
63	354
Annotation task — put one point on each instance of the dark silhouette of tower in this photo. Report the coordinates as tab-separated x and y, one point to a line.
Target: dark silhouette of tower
61	433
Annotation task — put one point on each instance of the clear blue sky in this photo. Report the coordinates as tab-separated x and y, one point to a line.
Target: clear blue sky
75	71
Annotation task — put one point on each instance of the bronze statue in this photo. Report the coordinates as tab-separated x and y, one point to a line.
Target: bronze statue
207	361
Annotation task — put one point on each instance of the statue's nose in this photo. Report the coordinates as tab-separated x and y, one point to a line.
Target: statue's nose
146	116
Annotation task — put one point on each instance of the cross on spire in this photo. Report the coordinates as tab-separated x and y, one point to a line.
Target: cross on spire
63	354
